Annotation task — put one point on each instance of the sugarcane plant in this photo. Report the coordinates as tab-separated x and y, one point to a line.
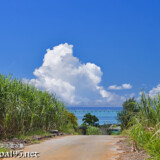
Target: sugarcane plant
24	108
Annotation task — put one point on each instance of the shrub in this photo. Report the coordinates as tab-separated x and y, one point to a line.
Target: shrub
129	110
93	131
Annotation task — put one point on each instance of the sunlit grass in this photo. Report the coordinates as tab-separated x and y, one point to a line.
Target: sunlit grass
24	109
146	126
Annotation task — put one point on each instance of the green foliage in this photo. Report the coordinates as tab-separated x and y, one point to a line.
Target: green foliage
90	120
24	108
93	131
128	112
32	133
4	150
146	126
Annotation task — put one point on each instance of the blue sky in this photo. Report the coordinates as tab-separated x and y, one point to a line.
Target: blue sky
120	37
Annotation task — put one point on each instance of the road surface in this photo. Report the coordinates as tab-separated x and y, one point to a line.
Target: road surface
79	147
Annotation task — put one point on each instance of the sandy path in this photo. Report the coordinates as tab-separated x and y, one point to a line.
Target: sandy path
79	147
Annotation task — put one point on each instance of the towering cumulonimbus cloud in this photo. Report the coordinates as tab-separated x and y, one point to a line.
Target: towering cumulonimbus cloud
74	82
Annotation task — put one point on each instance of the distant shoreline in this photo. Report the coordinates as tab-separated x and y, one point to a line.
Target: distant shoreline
106	115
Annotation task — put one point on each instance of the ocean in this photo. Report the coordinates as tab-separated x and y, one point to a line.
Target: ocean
106	115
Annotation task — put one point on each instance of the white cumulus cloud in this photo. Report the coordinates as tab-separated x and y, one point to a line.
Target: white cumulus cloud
152	93
123	86
73	82
155	91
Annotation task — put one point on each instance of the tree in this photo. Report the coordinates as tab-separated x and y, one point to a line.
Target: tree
129	110
90	120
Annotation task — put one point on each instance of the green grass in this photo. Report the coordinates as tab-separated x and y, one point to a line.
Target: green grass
25	108
146	126
4	150
29	135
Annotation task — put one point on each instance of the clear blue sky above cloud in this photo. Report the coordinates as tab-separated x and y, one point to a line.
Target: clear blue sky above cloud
121	37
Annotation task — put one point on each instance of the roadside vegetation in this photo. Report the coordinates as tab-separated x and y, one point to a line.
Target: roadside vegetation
129	110
25	109
93	131
141	122
91	123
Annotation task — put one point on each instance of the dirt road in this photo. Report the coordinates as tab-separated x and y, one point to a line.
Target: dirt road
78	147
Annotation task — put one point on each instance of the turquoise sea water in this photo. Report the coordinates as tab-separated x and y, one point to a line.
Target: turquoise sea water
106	115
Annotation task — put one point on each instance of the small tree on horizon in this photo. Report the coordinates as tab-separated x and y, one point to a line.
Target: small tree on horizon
90	120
